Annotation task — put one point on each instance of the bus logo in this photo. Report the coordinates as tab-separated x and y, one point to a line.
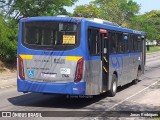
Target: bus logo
30	73
6	114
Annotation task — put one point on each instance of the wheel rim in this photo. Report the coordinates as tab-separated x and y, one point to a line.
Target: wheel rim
114	86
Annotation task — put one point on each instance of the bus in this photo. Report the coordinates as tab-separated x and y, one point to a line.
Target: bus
77	56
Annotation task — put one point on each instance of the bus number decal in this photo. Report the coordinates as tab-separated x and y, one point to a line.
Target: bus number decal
59	61
66	71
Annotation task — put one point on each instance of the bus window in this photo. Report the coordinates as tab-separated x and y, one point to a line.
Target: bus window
113	42
131	43
126	39
139	44
94	41
46	37
135	39
120	45
47	34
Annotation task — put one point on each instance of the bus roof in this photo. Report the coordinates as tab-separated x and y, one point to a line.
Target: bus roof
96	21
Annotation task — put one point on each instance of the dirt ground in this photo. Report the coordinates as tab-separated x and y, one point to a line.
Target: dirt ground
7	67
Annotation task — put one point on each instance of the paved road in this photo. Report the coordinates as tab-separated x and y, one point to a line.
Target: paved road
145	96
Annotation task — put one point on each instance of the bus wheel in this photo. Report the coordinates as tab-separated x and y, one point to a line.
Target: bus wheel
112	92
138	75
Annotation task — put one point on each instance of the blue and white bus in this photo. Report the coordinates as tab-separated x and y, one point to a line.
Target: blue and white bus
77	56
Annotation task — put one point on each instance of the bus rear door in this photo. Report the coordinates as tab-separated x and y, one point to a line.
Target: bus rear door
104	58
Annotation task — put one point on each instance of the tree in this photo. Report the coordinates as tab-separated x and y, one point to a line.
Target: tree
148	22
118	11
8	42
153	18
25	8
88	11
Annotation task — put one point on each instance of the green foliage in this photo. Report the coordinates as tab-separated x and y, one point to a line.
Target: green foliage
27	8
129	9
109	10
149	22
153	18
118	11
87	11
8	43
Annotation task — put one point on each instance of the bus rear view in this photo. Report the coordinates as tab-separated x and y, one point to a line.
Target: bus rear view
49	56
80	56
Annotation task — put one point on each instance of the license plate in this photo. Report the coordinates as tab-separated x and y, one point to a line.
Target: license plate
48	75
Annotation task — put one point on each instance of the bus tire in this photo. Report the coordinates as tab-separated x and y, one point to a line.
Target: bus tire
112	92
137	78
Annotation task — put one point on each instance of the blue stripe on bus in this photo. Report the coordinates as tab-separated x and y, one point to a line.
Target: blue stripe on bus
117	61
127	54
112	56
48	87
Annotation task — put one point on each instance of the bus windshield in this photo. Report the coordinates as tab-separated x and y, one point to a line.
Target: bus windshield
50	34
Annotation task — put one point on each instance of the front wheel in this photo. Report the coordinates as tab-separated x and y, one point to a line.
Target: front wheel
112	92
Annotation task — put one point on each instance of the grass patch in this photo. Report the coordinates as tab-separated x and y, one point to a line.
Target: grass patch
153	49
157	118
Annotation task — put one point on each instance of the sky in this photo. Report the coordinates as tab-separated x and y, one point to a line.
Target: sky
146	5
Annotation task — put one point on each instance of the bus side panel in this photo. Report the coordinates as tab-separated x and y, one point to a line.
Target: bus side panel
136	60
143	55
129	72
126	66
115	65
93	77
130	68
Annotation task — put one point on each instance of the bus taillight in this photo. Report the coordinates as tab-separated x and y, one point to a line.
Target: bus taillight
79	70
21	68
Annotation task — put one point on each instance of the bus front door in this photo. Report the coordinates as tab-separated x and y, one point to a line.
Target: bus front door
104	58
